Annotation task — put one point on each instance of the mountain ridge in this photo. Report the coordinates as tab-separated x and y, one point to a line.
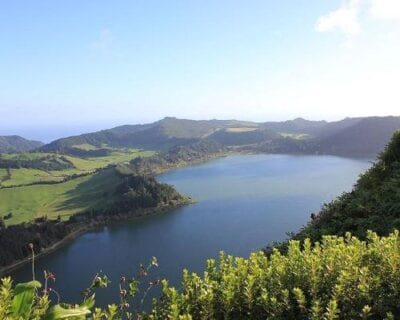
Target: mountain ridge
349	137
16	144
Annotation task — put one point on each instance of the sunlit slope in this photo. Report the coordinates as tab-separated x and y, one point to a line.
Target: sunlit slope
64	199
77	166
30	188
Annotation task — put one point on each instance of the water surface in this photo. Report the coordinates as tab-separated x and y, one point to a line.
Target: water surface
244	203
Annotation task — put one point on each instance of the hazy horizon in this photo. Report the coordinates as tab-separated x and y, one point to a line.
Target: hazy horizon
48	134
72	67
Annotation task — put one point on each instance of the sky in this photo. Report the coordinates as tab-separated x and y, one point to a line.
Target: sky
72	66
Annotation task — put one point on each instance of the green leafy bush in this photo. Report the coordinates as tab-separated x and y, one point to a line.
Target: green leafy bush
339	278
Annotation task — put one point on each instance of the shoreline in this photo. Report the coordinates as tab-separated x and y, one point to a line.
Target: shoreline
83	228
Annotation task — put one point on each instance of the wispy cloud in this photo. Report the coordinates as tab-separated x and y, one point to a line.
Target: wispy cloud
344	19
348	18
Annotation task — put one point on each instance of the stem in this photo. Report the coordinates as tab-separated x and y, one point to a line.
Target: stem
58	296
145	295
33	261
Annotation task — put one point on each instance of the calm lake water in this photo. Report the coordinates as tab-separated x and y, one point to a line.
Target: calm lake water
244	203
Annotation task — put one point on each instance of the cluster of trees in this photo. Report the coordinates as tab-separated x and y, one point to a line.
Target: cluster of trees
3	218
282	145
7	176
101	152
15	238
176	156
373	204
48	162
144	192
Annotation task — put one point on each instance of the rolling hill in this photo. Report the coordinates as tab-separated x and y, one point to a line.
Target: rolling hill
159	135
11	144
352	137
356	137
362	137
298	125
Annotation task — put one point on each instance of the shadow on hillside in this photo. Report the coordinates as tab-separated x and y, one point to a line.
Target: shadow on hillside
95	191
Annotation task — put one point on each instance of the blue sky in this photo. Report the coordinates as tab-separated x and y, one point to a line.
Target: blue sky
71	66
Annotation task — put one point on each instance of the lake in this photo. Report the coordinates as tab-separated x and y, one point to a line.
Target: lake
244	203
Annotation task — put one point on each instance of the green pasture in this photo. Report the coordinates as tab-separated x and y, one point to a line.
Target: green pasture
64	199
23	176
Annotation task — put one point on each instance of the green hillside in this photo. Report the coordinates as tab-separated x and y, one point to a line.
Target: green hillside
39	167
373	204
41	161
358	137
161	135
37	184
177	156
9	144
64	199
298	125
361	137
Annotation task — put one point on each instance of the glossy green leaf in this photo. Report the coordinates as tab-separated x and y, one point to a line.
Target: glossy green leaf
59	312
24	294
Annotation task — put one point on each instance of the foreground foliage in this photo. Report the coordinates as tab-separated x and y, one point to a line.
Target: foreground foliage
339	278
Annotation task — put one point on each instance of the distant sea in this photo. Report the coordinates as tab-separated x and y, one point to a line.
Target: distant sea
50	133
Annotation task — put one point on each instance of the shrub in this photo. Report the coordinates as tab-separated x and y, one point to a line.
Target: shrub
339	278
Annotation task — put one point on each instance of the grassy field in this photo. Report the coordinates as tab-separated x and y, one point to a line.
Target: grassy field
27	202
85	146
23	156
64	199
297	136
241	129
116	156
25	176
